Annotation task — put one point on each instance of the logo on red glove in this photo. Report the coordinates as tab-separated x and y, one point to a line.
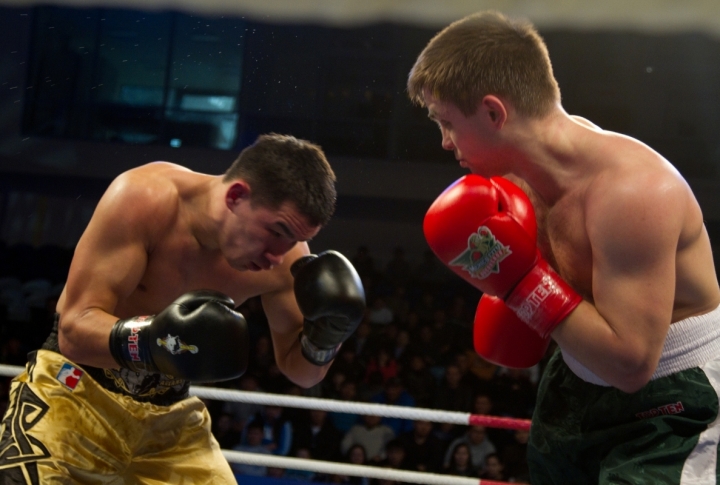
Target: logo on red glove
483	254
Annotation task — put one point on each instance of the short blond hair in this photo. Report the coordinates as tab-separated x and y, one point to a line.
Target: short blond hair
486	53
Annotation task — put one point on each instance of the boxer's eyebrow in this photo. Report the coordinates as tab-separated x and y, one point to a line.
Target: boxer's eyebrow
285	230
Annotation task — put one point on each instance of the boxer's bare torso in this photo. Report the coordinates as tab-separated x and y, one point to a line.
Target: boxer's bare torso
565	228
162	230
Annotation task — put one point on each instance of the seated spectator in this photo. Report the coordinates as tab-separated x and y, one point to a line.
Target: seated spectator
13	352
372	435
381	362
394	394
253	444
277	430
493	469
293	414
452	393
355	456
483	370
423	450
261	356
301	475
460	463
362	341
344	421
318	435
419	381
424	345
517	391
370	386
396	455
348	364
226	431
275	381
514	456
379	312
275	472
241	412
445	433
478	444
330	386
483	405
400	348
462	360
443	336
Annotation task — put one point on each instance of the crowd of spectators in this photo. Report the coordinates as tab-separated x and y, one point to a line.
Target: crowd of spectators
414	348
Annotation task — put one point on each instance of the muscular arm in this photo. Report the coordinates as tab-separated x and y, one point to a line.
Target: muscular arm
286	323
109	262
634	235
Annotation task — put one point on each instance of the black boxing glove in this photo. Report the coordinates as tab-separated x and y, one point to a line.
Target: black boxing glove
198	338
331	297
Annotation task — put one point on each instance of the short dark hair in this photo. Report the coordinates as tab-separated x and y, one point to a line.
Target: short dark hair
486	53
282	168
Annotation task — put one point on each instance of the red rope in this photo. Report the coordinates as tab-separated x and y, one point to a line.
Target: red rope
497	422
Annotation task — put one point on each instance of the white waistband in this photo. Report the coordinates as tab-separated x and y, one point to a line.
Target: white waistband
689	343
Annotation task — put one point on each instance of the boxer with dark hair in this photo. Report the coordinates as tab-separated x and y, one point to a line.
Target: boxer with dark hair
600	246
149	307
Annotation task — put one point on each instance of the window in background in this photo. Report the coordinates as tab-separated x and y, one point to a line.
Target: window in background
135	77
179	80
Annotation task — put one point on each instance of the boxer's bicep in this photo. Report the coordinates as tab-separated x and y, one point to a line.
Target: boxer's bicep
619	335
109	261
634	251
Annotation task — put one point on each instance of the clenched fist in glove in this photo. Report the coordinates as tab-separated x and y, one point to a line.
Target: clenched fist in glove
486	232
331	297
199	338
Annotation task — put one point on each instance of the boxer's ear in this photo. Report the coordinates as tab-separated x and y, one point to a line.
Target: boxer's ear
236	193
494	110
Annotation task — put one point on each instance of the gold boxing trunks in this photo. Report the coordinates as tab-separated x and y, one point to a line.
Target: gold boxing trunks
62	427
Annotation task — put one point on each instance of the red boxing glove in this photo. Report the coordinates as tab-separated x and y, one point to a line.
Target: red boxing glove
502	338
485	231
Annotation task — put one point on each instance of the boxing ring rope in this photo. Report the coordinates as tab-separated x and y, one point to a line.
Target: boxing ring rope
332	405
353	470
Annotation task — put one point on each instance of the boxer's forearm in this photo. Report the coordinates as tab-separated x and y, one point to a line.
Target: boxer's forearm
621	358
296	367
83	337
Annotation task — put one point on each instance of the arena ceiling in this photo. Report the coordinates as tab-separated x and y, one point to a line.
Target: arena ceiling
644	15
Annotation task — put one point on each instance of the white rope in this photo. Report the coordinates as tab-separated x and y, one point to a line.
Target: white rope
10	370
332	405
344	469
349	407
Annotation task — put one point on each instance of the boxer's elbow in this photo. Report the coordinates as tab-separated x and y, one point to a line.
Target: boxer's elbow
77	338
633	372
303	373
69	340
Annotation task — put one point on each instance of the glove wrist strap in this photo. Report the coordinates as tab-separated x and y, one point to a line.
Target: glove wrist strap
315	355
128	346
542	299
